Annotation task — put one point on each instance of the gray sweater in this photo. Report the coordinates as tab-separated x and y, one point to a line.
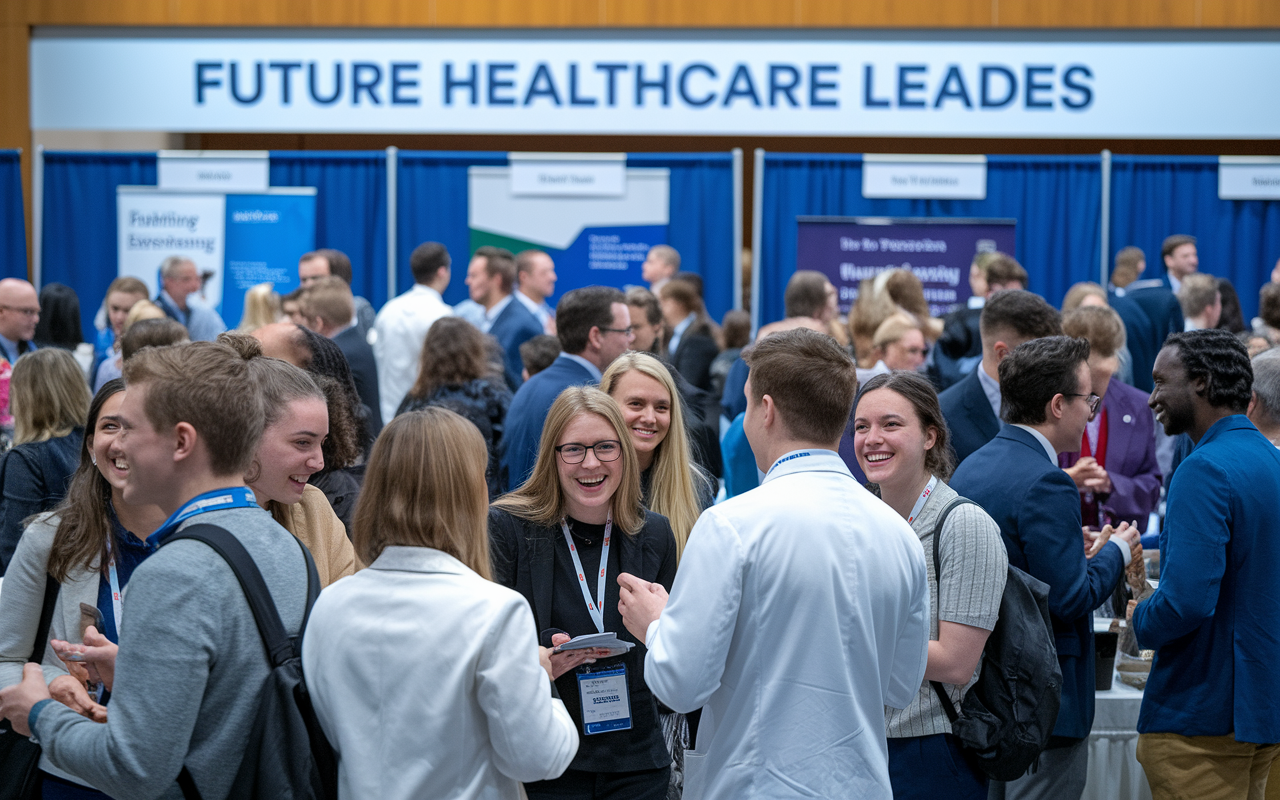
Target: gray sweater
189	671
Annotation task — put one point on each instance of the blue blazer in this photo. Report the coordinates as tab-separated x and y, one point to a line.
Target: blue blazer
528	412
513	327
1140	336
968	414
1214	619
1161	305
1038	510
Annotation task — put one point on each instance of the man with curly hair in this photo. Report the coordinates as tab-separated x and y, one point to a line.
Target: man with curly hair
1210	721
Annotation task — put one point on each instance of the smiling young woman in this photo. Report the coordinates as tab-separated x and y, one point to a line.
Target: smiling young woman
561	540
901	442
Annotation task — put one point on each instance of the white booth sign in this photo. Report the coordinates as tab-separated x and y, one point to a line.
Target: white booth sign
1248	178
202	170
568	174
720	82
924	177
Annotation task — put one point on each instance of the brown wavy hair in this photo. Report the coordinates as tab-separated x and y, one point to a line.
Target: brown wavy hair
425	487
454	352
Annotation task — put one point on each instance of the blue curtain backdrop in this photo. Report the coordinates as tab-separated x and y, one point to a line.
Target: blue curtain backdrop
1155	196
79	236
432	206
1055	199
351	209
13	228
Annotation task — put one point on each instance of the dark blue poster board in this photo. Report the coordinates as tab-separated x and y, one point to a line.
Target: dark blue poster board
938	250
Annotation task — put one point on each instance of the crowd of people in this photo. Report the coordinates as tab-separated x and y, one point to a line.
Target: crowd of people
744	567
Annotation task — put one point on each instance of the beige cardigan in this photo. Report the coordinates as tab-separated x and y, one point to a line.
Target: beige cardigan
312	520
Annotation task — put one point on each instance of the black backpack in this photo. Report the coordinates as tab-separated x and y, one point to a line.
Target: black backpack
1007	716
288	757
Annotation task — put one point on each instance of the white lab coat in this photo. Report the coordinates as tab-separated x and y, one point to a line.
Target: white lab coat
800	610
425	678
401	327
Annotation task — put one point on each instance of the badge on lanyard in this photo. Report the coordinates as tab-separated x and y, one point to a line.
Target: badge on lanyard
606	705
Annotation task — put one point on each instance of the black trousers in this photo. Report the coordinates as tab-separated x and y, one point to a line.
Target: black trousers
650	784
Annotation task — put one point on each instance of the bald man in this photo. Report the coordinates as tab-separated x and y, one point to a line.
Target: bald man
283	340
19	313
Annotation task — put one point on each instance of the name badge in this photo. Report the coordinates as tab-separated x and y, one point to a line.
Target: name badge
606	705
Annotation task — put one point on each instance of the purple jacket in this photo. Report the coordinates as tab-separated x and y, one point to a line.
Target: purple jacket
1131	456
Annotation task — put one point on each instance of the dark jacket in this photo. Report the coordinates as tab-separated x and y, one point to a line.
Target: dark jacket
959	344
693	357
1140	336
34	478
968	415
481	401
1037	507
529	407
523	557
364	370
341	488
513	327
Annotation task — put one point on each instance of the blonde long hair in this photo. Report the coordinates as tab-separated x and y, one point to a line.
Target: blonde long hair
425	487
541	499
671	488
48	395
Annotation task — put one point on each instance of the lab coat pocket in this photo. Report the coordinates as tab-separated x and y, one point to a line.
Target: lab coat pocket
695	777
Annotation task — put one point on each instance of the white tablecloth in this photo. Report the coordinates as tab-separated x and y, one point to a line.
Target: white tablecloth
1114	772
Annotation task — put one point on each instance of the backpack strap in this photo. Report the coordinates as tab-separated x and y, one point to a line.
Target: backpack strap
938	689
51	588
278	645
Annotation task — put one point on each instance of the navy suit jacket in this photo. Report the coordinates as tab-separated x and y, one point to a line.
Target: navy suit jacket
1038	510
1213	620
1161	305
364	370
513	327
968	415
528	412
1131	456
1140	335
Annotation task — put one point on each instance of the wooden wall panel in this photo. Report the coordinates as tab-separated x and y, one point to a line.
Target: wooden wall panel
1099	13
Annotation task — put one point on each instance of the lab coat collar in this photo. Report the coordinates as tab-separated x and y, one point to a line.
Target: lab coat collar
808	460
400	558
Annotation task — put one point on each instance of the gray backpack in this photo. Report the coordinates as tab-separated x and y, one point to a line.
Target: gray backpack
1006	718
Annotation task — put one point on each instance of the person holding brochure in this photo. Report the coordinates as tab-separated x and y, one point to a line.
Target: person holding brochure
801	608
425	607
561	540
903	446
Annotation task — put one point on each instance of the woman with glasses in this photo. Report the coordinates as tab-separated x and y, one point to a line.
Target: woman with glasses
561	540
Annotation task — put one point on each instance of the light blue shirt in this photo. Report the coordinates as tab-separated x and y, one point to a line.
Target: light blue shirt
486	324
11	348
678	332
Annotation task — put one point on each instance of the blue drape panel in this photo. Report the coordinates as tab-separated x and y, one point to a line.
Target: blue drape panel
1056	201
351	208
1155	196
701	219
13	228
431	197
79	237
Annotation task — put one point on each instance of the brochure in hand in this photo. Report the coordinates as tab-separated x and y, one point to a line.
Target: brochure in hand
603	641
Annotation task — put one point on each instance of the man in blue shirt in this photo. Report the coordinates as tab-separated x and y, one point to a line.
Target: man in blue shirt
19	313
1210	716
179	278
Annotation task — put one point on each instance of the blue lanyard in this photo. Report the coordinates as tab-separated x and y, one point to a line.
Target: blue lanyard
792	457
217	500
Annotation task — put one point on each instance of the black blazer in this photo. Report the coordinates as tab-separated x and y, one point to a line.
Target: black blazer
693	357
364	370
968	415
523	558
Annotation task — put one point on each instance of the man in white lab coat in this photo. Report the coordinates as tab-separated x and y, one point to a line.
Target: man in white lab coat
800	608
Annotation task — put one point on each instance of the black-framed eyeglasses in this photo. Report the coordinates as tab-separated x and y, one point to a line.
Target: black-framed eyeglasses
1092	399
630	330
574	453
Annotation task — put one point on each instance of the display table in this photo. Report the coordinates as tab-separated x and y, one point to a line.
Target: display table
1114	772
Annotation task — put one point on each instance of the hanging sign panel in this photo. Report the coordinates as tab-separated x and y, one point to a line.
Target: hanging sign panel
632	84
1248	178
924	177
938	250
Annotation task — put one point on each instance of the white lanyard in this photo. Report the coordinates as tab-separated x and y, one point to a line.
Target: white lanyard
928	490
595	608
116	604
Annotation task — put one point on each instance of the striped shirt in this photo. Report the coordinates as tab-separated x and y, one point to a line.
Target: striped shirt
974	567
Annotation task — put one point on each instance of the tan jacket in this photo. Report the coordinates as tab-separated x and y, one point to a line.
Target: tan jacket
312	520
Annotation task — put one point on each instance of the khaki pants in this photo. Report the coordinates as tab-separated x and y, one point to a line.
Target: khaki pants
1204	767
